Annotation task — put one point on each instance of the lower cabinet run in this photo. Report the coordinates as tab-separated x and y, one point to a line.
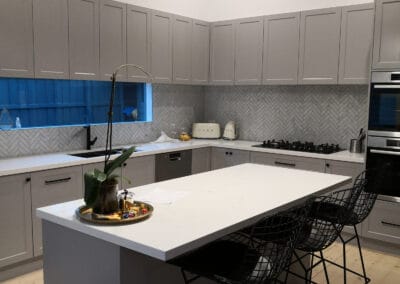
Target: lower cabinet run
52	187
201	160
224	157
15	219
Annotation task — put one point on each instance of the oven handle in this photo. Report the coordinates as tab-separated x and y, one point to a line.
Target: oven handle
385	152
386	86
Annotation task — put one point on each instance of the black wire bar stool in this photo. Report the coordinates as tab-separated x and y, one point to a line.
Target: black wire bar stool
258	254
361	209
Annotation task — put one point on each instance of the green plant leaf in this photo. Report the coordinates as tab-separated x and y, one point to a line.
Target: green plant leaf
92	188
100	176
126	179
111	166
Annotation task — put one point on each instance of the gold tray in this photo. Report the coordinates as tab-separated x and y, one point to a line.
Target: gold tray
85	214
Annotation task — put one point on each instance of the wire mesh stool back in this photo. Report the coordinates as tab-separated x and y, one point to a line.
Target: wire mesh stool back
258	256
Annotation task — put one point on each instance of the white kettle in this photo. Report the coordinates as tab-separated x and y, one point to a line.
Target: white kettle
230	131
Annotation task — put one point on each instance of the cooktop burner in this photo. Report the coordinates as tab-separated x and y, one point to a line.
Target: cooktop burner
300	146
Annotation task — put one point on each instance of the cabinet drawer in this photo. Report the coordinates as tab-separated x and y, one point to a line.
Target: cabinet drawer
310	164
383	223
52	187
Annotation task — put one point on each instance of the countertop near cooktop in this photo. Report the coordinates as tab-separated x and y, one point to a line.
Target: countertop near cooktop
34	163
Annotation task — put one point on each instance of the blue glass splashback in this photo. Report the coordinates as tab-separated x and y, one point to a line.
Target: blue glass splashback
42	102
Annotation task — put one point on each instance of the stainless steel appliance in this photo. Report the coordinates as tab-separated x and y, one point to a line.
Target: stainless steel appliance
173	165
300	146
383	146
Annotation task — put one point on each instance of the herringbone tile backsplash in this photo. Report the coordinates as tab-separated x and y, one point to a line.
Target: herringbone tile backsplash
320	114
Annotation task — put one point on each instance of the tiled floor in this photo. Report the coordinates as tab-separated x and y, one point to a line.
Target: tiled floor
382	268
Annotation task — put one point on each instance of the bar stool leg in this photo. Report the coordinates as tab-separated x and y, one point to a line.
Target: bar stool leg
361	255
344	261
324	264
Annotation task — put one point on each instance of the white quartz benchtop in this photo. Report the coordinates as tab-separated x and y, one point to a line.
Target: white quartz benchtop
51	161
215	203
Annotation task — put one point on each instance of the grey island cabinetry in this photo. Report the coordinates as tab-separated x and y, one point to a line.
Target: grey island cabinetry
112	38
50	27
52	187
16	35
15	219
84	58
387	35
281	49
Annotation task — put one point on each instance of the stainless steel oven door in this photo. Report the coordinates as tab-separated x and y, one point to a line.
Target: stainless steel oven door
383	157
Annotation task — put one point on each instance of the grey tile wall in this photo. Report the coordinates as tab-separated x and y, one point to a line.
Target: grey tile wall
174	108
320	114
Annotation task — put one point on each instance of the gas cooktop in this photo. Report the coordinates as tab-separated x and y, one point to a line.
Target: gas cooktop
300	146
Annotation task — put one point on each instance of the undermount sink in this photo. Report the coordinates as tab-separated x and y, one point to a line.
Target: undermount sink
93	154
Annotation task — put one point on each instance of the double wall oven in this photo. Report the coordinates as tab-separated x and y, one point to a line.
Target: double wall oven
383	148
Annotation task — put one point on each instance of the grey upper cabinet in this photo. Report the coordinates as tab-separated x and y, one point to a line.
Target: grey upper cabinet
52	187
161	47
356	43
182	50
222	53
387	35
50	27
16	38
15	219
200	52
112	38
319	46
249	49
138	42
84	39
281	49
139	170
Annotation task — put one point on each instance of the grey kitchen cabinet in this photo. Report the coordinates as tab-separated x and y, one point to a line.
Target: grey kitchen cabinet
84	58
383	222
182	50
222	53
248	51
286	161
200	52
112	38
16	39
201	160
319	46
50	29
161	47
15	219
281	49
138	42
224	157
139	170
356	43
52	187
386	53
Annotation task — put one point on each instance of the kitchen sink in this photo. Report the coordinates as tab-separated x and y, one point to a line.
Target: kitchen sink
93	154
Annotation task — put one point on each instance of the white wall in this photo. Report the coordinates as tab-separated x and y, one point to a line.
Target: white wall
216	10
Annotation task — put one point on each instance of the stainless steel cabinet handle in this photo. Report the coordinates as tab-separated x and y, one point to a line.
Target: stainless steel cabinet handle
285	164
390	224
386	86
385	152
48	182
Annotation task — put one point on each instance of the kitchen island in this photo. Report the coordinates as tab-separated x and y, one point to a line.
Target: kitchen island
188	212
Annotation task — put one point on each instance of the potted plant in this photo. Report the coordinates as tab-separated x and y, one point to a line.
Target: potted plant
101	187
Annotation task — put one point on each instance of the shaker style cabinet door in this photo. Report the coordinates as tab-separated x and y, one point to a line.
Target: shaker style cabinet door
138	42
84	39
387	35
248	53
200	52
319	46
16	38
161	47
224	157
15	219
182	50
281	49
50	27
112	39
139	171
201	160
222	69
52	187
356	43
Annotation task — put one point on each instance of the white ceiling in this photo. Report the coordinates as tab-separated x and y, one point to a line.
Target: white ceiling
216	10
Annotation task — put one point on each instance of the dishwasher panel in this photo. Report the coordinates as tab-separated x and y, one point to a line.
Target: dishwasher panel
173	165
